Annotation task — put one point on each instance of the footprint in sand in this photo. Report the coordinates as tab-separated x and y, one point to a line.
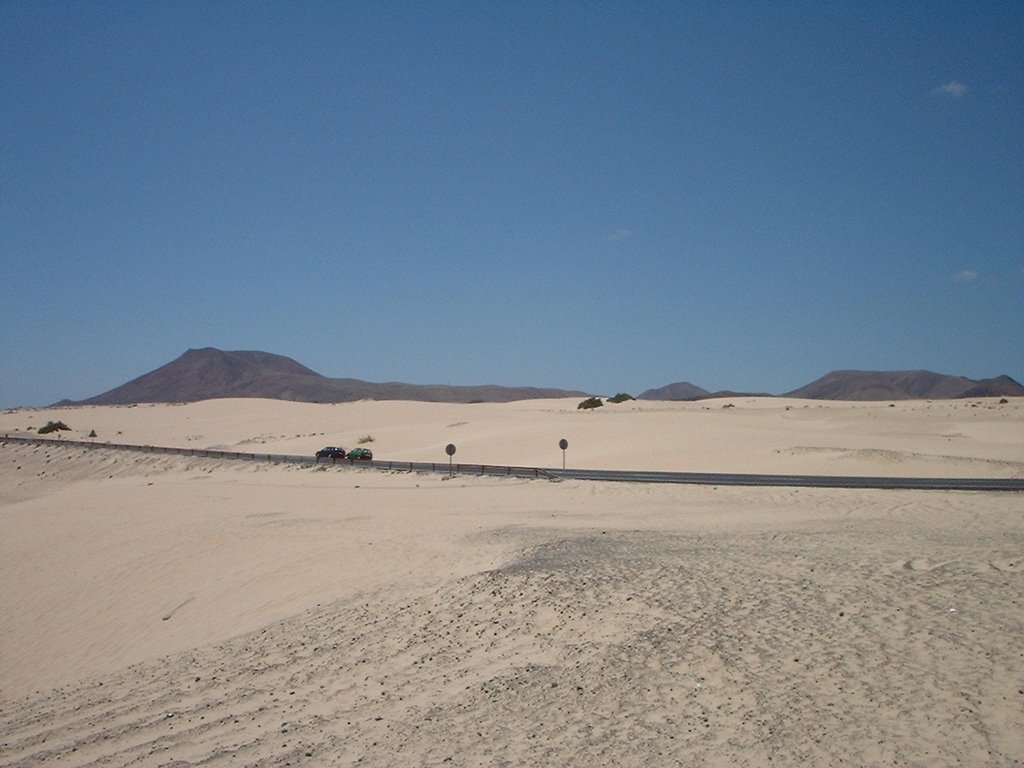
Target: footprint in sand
175	609
917	564
923	564
1008	565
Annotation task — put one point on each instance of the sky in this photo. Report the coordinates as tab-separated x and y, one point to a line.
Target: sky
604	196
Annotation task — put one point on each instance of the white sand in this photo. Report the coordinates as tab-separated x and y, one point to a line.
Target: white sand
163	610
964	438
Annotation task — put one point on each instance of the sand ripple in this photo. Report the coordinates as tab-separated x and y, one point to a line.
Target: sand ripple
599	648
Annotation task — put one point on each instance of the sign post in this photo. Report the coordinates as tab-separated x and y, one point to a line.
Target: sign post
450	450
563	444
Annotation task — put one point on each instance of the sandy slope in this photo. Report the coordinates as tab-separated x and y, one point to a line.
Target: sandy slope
167	611
967	438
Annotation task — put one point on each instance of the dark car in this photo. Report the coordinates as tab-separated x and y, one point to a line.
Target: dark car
330	452
360	454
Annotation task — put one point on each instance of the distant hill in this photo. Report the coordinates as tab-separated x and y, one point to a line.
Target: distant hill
733	393
863	385
206	374
904	385
681	390
684	390
1000	386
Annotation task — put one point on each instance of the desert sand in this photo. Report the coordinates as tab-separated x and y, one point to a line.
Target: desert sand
176	611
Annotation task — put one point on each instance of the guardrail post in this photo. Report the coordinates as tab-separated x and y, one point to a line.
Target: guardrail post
1014	485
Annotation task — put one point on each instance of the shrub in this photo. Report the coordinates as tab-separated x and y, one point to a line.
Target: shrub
621	398
590	402
365	439
92	433
53	426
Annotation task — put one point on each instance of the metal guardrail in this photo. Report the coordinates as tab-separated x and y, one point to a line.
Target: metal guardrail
209	453
807	481
630	476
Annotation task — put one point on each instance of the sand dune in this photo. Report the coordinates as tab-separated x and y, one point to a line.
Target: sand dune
167	611
972	438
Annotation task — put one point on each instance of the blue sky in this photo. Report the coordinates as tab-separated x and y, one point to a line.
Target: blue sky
593	195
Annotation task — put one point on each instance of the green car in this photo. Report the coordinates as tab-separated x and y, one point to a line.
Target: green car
360	454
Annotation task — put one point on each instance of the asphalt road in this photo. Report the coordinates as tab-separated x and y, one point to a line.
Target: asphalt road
802	481
621	476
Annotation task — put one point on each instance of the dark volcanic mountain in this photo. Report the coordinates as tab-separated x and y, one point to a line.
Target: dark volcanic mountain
864	385
904	385
1000	386
684	390
206	374
681	390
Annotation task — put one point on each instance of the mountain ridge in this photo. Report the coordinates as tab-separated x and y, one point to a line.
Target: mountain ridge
903	385
209	373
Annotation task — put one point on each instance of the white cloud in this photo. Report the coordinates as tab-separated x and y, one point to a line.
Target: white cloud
967	276
621	234
954	89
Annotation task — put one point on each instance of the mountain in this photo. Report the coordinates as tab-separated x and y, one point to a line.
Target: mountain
206	374
681	390
684	390
863	385
903	385
718	394
1000	386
